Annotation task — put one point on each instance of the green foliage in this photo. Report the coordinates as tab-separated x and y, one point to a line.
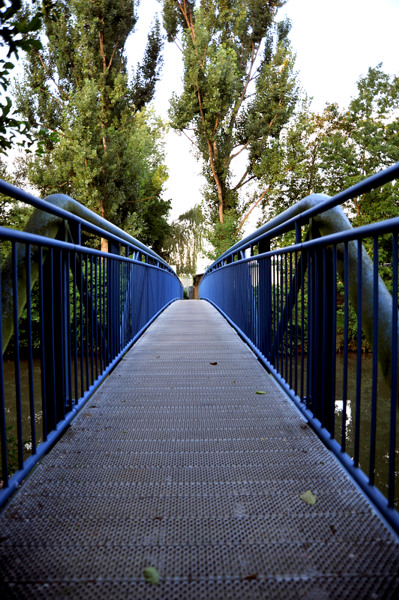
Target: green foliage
96	141
16	34
333	150
185	241
13	214
220	235
239	90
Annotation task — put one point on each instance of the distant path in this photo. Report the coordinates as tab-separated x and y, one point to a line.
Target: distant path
179	464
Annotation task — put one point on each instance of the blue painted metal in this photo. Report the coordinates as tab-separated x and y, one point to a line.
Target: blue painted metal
286	303
90	306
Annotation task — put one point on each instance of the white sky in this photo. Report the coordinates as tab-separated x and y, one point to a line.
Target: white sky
335	42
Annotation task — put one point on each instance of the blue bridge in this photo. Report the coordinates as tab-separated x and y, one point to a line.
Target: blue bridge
243	445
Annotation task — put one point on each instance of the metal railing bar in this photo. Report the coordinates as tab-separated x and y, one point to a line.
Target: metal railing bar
359	312
43	370
346	333
100	226
75	330
334	337
290	220
3	425
30	351
17	364
69	332
352	234
373	432
393	432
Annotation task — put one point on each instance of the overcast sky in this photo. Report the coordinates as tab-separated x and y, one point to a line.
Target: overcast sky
335	43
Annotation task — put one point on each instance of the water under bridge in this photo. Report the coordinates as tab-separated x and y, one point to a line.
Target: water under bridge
172	455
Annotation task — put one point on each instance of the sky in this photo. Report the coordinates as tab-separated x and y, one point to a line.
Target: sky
335	43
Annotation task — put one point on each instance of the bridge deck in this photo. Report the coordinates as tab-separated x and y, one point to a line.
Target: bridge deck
177	463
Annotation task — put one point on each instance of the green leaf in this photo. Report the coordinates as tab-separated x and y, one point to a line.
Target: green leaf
151	575
261	393
309	498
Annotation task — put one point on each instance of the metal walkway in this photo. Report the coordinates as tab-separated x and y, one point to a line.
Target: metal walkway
177	463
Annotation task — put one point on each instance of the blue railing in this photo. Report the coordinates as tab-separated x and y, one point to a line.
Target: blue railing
310	310
68	313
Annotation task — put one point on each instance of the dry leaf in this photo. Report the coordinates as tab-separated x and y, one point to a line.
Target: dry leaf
309	498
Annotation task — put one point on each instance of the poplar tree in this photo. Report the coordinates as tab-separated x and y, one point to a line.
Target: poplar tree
96	141
239	91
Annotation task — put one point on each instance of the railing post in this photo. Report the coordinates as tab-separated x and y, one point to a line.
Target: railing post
113	295
56	339
265	301
322	344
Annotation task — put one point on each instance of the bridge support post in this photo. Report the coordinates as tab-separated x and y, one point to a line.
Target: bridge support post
265	301
114	309
56	343
322	310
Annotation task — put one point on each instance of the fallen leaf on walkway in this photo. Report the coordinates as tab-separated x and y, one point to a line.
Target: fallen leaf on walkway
213	363
309	498
151	575
261	393
251	577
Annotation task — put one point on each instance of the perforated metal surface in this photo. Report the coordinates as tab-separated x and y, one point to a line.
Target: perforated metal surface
179	464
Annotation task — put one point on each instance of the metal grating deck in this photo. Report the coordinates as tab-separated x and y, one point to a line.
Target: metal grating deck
178	464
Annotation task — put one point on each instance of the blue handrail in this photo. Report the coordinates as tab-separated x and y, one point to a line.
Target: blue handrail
294	304
68	314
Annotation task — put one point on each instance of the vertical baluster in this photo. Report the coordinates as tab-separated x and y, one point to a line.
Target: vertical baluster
75	325
43	369
394	376
3	424
30	350
346	334
87	322
373	429
333	340
310	328
358	353
81	332
96	314
296	340
67	329
303	310
92	317
17	363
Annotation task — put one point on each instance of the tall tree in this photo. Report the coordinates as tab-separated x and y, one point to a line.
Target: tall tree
239	91
96	141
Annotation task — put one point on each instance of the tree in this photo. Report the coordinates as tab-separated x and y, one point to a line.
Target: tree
185	241
239	91
96	141
331	151
16	35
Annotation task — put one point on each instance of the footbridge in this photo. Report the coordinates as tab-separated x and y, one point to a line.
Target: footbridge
158	448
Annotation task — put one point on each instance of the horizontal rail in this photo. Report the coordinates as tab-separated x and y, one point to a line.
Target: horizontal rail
308	208
66	208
